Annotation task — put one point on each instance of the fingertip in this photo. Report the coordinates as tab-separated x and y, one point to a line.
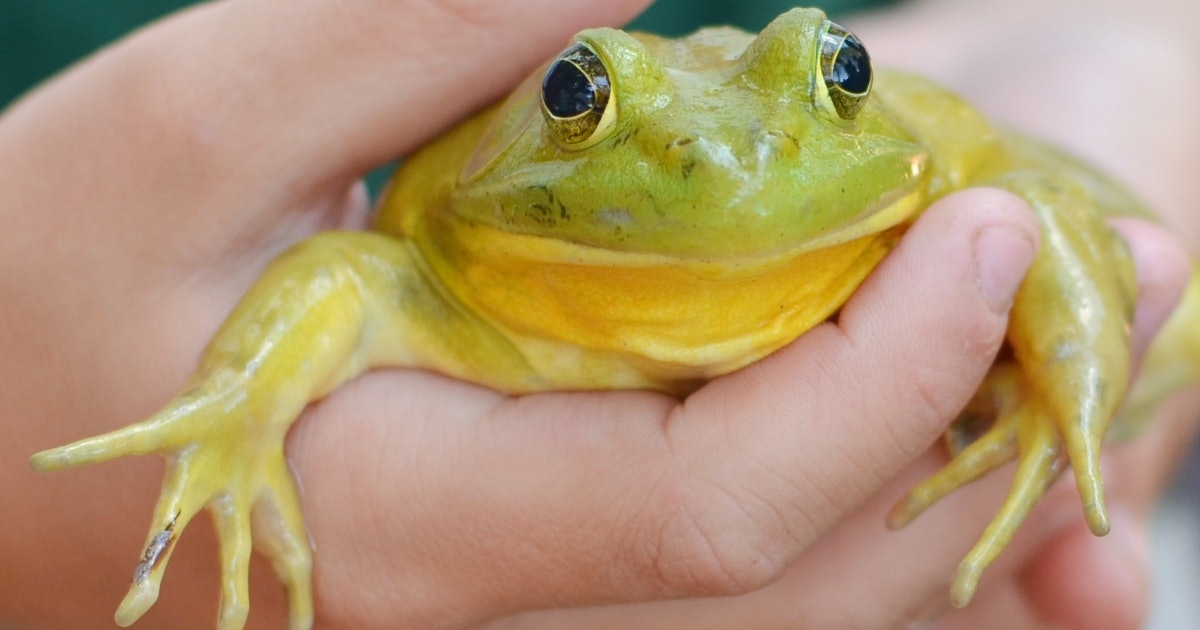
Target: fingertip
986	231
1082	581
947	286
993	207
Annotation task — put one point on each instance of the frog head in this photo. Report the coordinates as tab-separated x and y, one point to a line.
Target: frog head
722	145
678	208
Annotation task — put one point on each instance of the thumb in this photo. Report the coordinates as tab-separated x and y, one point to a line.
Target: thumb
782	450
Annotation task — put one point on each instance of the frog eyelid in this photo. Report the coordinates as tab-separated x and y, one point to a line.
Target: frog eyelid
845	71
578	103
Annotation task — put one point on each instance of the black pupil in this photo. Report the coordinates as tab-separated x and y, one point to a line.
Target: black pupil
852	68
567	91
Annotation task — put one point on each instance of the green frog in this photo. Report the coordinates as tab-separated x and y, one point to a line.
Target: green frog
651	213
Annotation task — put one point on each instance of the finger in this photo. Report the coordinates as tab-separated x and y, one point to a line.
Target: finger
1081	582
151	179
275	93
860	575
1163	270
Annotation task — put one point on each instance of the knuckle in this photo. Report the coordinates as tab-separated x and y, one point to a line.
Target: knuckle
709	542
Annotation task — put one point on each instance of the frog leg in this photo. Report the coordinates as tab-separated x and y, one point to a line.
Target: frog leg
1070	323
1069	336
322	313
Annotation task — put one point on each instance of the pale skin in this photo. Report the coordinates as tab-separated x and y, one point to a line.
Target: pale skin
136	214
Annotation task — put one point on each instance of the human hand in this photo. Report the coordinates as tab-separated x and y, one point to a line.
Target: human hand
142	193
859	575
1061	70
429	500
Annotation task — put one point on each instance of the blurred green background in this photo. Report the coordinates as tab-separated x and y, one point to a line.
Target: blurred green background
40	37
677	17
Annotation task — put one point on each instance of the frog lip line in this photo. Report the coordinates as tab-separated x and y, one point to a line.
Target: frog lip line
890	211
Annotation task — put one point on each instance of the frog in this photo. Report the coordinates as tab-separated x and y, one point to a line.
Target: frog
651	213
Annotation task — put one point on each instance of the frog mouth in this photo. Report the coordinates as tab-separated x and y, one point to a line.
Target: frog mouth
893	209
890	213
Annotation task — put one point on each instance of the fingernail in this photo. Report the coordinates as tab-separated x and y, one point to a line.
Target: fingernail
1002	256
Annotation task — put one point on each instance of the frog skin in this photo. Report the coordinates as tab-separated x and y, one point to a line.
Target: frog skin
651	213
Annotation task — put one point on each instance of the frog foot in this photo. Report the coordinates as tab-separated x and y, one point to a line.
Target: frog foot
221	455
1025	429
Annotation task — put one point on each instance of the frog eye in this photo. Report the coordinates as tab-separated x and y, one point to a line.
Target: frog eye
577	99
846	68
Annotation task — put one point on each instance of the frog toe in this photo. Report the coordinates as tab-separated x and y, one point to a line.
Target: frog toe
281	535
239	484
1025	429
994	448
1040	461
135	439
175	509
983	438
1083	439
231	515
224	453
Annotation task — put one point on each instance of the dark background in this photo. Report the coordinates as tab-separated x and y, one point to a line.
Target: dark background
40	37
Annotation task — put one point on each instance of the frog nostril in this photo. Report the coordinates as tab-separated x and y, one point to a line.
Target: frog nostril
781	138
773	144
682	154
681	141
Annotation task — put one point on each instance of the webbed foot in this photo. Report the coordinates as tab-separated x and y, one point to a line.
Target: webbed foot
1053	396
314	320
222	456
1026	429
